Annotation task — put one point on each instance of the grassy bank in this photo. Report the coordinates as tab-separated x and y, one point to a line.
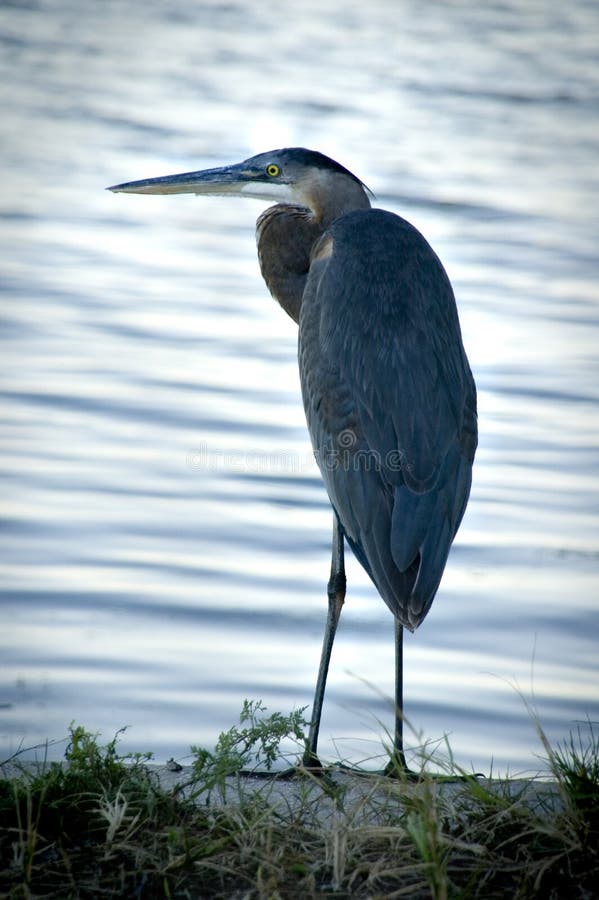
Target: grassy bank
106	825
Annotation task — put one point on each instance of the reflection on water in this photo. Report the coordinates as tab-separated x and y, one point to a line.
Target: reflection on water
165	531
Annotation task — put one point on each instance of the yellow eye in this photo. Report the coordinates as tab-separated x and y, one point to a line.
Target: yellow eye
273	170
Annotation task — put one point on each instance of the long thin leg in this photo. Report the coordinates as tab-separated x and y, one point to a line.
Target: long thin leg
336	593
399	759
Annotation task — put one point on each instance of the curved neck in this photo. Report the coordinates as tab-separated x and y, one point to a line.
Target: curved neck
285	236
331	195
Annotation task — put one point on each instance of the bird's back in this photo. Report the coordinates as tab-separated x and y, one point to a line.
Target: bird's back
390	401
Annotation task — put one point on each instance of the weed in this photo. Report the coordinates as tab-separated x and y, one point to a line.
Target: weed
101	825
238	749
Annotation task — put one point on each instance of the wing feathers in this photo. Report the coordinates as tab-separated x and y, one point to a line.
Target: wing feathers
381	360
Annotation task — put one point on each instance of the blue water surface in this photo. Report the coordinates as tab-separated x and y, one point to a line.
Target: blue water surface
165	533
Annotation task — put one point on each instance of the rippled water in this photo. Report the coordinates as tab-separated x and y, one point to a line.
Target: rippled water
165	534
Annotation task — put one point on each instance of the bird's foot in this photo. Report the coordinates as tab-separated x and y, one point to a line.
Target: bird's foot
399	769
311	763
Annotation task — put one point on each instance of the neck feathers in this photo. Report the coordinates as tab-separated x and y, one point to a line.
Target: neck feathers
286	234
285	237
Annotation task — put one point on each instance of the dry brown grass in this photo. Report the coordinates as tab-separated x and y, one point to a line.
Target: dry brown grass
103	825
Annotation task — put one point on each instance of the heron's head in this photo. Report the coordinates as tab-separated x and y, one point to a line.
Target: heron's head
292	175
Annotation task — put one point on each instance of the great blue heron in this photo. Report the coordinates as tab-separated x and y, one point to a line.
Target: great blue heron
388	393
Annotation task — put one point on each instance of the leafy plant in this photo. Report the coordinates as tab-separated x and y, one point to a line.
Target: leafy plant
102	825
255	744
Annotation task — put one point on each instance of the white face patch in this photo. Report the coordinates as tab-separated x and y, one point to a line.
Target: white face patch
268	190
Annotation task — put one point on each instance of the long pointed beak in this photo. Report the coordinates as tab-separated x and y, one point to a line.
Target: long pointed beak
225	180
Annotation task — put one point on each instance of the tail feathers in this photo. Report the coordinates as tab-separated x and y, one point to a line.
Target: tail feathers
433	557
403	539
422	529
